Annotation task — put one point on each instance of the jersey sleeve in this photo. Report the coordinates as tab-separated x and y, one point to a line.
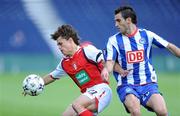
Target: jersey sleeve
58	72
111	49
94	54
158	41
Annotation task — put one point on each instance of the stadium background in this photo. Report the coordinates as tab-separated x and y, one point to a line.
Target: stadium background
26	47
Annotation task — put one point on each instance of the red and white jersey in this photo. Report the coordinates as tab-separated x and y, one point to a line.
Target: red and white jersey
84	67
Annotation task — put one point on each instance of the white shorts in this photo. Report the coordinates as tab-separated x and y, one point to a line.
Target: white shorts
103	94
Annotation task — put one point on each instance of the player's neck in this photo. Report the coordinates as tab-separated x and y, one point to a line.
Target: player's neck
74	50
132	30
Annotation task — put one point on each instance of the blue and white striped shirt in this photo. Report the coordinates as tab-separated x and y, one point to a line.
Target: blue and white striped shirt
134	53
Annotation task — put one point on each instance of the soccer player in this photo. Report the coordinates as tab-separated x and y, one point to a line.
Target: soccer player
131	47
84	65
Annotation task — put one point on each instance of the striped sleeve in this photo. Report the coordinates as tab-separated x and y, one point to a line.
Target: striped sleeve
158	41
111	52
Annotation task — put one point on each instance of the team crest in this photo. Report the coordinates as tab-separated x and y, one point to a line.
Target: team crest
142	40
74	66
128	90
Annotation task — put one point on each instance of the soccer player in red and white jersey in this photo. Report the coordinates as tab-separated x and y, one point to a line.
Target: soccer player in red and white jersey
83	64
131	48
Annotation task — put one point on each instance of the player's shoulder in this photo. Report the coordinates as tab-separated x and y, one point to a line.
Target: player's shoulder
91	52
89	48
85	43
145	30
114	36
113	40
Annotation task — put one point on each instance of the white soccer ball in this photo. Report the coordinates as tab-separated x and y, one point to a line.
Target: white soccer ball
33	85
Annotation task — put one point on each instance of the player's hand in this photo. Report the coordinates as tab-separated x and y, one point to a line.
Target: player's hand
124	73
105	74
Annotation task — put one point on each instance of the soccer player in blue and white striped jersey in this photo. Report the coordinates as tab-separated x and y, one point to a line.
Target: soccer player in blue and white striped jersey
131	48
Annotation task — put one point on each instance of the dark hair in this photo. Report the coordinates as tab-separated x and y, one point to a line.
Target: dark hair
66	31
127	11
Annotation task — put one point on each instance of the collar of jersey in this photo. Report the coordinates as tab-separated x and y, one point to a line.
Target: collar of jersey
132	34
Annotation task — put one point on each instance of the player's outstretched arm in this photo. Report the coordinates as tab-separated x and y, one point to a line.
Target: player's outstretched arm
174	49
48	79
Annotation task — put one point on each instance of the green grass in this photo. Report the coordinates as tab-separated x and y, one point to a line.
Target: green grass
57	96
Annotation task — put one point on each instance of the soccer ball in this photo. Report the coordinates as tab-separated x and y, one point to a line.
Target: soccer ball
33	85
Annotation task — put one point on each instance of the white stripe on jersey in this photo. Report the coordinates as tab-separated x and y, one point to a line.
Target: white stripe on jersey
129	66
134	53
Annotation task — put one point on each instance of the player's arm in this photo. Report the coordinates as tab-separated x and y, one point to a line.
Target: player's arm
120	70
174	49
110	60
48	79
159	42
108	67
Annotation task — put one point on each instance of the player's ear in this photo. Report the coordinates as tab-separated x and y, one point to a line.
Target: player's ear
71	39
128	20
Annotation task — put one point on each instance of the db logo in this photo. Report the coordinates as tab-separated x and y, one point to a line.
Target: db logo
135	56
